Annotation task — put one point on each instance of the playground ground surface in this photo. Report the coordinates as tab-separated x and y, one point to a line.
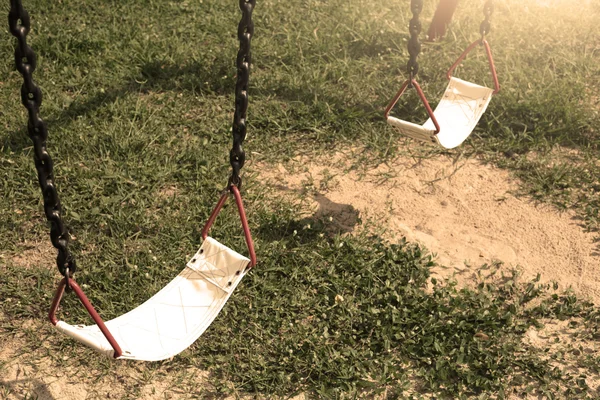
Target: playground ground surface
387	268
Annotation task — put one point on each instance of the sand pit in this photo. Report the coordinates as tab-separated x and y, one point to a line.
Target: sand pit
464	212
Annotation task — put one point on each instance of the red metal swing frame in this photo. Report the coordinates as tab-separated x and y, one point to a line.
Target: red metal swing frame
488	52
70	282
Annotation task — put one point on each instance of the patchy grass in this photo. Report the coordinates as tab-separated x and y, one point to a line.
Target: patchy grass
138	98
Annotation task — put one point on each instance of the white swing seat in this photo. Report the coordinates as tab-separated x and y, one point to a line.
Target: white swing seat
457	113
174	318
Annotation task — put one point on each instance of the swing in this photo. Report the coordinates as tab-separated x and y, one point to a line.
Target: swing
177	315
462	104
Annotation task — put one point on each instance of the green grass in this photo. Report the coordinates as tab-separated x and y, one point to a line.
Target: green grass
138	99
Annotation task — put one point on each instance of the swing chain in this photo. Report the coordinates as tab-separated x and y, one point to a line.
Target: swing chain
237	156
31	97
414	44
485	26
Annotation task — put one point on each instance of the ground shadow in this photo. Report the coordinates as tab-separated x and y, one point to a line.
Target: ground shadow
337	217
39	389
331	217
203	77
154	76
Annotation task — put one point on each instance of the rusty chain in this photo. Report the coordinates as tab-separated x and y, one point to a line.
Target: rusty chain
31	97
485	26
414	44
237	156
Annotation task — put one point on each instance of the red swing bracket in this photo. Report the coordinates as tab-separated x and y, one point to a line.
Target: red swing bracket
413	82
233	189
88	306
488	52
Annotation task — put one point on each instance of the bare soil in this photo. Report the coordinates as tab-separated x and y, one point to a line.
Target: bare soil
464	212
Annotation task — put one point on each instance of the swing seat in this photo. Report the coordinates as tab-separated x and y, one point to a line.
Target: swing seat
175	317
457	114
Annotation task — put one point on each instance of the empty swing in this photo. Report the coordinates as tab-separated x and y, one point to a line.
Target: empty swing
176	316
462	104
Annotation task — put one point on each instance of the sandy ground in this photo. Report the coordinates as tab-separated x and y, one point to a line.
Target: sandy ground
464	212
35	375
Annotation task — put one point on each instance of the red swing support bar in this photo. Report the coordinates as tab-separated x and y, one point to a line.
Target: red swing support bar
413	82
233	189
88	306
488	52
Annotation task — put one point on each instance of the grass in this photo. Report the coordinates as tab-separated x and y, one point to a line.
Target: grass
138	98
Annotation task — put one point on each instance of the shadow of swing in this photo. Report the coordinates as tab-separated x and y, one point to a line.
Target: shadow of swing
342	217
338	218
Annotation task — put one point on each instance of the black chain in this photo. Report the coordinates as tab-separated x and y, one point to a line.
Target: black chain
237	156
414	44
31	97
485	26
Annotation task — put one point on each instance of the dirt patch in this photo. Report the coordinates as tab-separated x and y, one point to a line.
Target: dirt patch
564	338
168	192
462	211
32	373
35	255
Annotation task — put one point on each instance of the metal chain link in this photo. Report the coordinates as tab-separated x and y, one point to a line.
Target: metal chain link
485	26
414	44
237	156
31	97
